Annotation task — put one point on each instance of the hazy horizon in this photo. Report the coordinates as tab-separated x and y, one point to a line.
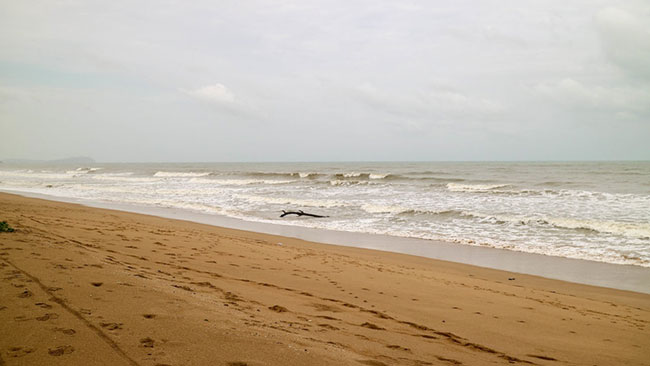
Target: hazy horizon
325	82
95	161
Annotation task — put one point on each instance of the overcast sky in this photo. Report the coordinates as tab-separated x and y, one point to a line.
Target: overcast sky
325	80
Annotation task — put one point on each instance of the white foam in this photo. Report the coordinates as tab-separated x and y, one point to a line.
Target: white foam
340	182
240	182
304	202
572	220
378	176
122	177
456	187
121	174
192	206
392	209
83	170
30	174
628	229
179	174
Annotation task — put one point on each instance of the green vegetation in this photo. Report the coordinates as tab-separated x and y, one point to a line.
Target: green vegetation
5	228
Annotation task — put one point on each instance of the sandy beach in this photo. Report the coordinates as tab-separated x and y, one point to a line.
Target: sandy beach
90	286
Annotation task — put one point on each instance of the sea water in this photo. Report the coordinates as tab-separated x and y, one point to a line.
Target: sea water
586	210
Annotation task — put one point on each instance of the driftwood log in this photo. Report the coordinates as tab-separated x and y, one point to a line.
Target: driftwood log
299	213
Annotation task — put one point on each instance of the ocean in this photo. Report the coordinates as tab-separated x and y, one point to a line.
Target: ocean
597	211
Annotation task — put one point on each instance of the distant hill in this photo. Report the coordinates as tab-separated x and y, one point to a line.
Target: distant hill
71	160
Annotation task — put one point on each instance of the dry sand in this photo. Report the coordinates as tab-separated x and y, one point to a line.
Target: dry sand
88	286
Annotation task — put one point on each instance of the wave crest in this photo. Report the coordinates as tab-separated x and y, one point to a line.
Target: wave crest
400	210
163	174
456	187
304	202
628	229
239	182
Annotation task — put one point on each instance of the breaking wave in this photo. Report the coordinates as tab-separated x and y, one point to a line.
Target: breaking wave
83	170
559	210
179	174
304	202
341	182
628	229
456	187
404	211
364	175
239	182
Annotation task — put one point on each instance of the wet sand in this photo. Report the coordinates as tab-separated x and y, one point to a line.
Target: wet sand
90	286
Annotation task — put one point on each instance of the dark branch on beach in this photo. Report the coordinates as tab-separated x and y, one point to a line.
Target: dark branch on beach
299	213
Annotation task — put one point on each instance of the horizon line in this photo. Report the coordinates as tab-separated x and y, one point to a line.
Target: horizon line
43	161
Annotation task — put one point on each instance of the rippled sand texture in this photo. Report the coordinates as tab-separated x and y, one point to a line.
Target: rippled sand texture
86	286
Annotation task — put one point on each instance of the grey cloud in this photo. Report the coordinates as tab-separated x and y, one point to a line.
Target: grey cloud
232	80
617	99
625	38
428	103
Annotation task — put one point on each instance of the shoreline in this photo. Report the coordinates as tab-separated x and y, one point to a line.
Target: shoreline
92	286
581	271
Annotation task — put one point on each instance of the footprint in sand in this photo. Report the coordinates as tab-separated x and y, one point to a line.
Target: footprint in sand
60	351
65	331
278	309
19	351
371	326
183	287
147	342
149	316
25	294
47	316
111	326
324	307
